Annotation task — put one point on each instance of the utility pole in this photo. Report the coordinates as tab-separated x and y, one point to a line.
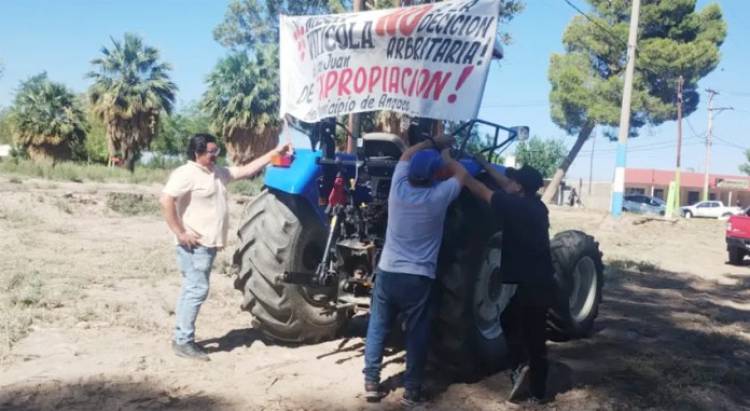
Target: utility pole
591	163
675	205
618	186
711	94
354	118
709	138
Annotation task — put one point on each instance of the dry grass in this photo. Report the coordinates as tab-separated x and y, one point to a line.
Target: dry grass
246	187
632	265
132	204
22	299
78	172
30	297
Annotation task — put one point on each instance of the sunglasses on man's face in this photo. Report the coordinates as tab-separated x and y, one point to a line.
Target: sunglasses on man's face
214	152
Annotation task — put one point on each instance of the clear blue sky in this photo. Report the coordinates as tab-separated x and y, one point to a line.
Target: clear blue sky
61	37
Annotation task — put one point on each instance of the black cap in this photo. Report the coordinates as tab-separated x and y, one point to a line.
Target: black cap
527	177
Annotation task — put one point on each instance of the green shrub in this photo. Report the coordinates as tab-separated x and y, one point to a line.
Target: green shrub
246	187
132	204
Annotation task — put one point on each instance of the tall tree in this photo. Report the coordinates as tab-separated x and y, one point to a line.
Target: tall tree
251	24
543	154
243	102
674	39
131	90
243	89
47	120
96	146
176	129
6	130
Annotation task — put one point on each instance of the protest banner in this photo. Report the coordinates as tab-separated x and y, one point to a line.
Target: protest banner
430	61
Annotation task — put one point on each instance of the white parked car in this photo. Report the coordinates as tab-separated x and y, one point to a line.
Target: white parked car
709	209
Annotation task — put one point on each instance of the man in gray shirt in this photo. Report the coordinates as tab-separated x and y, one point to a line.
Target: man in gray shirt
417	203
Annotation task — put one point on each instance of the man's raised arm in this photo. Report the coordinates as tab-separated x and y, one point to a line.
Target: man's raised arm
438	143
256	166
455	168
501	180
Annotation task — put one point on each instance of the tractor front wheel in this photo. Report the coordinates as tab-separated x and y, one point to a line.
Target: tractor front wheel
579	274
277	234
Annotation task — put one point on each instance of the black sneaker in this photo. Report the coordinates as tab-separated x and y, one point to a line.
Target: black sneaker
412	398
520	379
372	391
190	350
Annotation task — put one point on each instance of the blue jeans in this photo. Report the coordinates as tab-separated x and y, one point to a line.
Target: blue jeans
408	295
195	265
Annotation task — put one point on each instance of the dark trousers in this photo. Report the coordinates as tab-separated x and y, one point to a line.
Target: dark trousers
408	295
524	322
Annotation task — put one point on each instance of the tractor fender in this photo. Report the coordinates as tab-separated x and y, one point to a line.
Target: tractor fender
299	178
474	168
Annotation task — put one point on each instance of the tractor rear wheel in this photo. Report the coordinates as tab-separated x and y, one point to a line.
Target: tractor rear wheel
277	234
467	335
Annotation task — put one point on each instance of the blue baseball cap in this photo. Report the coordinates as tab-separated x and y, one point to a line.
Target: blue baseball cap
423	166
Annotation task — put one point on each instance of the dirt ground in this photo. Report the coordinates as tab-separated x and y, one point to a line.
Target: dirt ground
88	282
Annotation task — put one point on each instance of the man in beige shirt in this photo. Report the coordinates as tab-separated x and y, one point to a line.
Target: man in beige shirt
194	204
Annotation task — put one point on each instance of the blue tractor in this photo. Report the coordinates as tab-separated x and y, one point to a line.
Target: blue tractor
309	244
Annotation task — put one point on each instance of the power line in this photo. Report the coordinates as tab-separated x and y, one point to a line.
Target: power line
643	148
610	34
730	143
702	135
606	30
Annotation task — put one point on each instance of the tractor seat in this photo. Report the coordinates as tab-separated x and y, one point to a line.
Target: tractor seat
383	145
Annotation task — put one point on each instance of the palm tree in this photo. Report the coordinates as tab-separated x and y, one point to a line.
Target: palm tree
131	89
47	120
243	101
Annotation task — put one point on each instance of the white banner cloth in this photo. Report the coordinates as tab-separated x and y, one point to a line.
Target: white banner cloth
430	61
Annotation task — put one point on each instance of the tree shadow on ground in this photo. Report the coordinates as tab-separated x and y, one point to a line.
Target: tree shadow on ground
355	332
666	340
663	340
97	395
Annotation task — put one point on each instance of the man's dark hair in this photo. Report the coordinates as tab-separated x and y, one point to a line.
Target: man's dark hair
198	144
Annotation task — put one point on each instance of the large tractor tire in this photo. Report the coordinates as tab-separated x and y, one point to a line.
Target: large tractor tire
579	274
280	233
468	338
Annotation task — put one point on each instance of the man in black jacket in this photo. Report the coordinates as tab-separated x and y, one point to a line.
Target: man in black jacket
527	262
